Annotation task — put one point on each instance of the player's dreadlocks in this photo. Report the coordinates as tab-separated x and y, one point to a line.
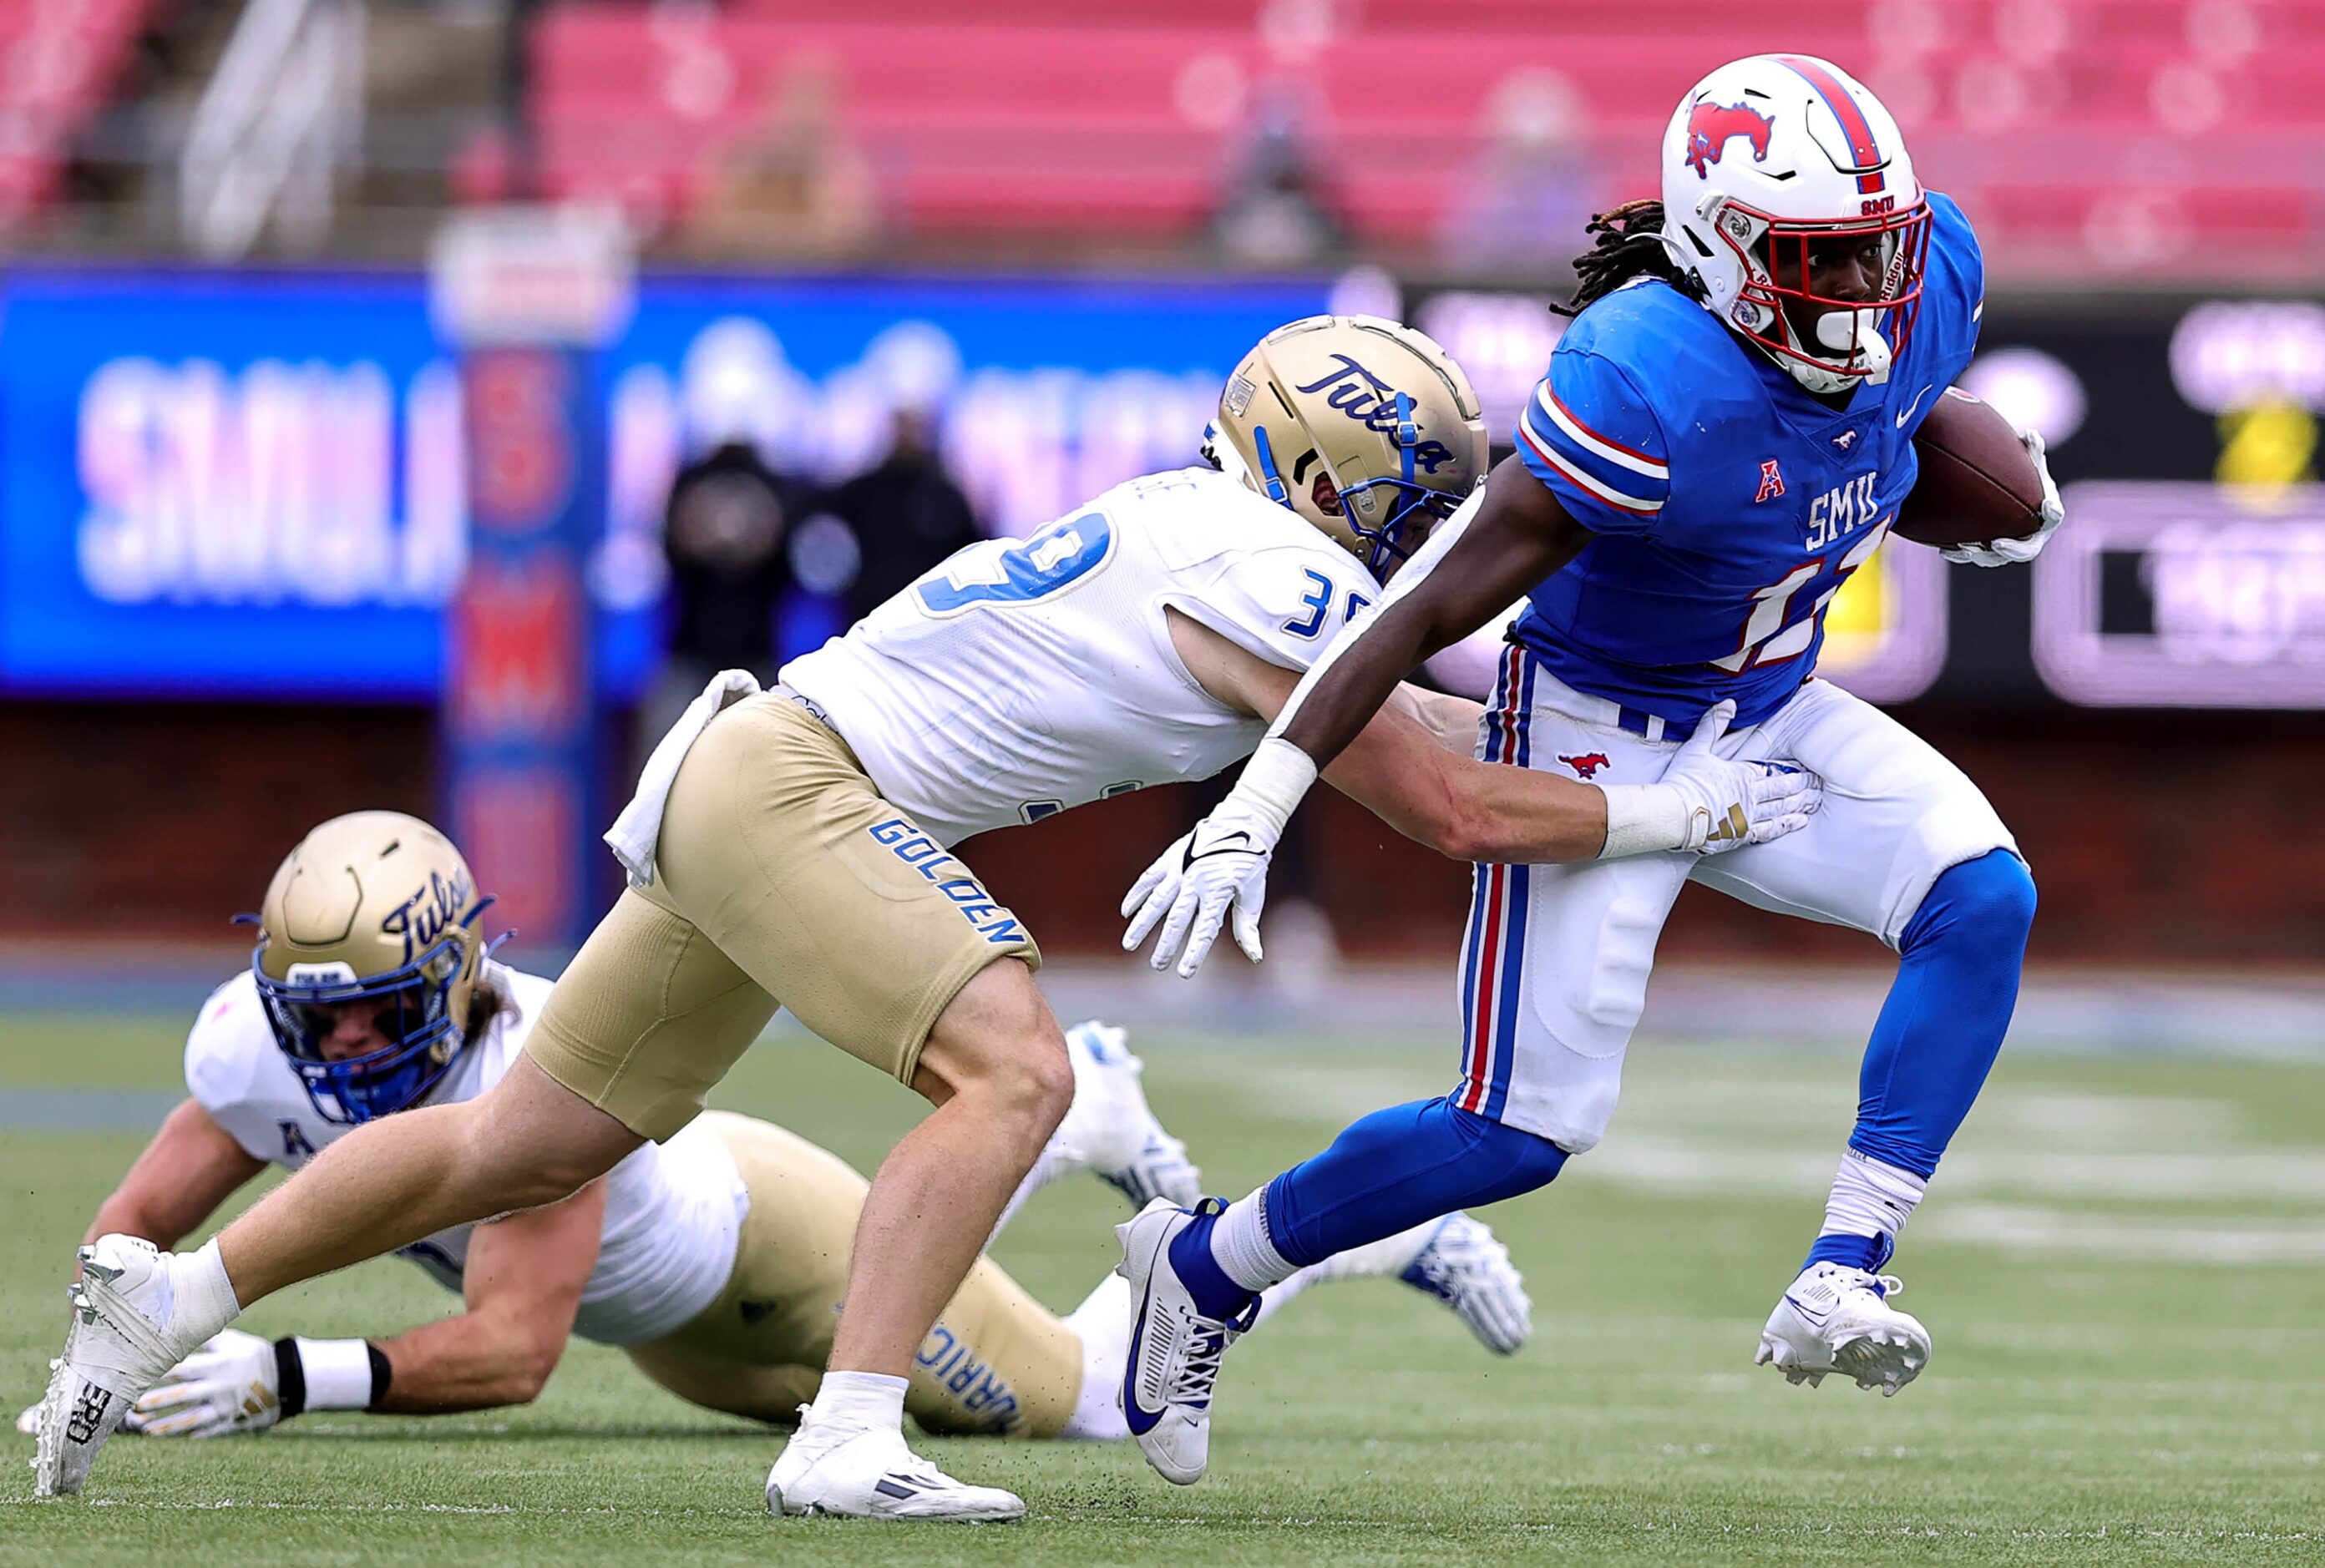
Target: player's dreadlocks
1628	245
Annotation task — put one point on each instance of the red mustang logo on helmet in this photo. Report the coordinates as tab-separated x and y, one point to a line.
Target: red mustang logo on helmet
1587	764
1710	127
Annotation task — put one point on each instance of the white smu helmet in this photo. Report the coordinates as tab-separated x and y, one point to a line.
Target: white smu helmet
1769	156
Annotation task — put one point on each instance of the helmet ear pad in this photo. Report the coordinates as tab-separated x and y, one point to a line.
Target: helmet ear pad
1323	494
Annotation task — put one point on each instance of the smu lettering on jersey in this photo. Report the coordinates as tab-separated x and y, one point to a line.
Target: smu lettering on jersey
673	1210
1026	677
1728	505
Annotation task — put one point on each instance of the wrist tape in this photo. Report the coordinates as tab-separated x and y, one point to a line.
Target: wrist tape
1645	818
1273	782
328	1374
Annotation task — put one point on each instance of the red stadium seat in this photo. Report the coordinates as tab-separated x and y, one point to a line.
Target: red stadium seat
57	64
1032	117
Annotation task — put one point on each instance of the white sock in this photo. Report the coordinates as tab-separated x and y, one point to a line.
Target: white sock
859	1399
1102	1323
206	1299
1242	1248
1870	1198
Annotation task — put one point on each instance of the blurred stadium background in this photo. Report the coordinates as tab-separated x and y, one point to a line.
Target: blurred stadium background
348	352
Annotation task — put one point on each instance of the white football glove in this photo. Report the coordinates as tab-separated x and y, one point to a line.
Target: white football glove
2012	552
29	1423
226	1386
1732	804
1218	870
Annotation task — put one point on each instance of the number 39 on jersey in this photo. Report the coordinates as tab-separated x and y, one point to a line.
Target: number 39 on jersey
1025	571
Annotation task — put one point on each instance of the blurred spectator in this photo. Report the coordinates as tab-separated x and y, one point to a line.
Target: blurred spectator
483	170
1521	208
1275	214
795	188
724	533
906	513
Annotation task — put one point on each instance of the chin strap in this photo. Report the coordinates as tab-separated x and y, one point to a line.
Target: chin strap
1271	482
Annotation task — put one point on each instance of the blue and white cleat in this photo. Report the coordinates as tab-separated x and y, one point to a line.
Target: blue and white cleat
1463	1265
1173	1362
1838	1319
1112	1130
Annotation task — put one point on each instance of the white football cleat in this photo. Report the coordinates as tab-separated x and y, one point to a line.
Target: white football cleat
1112	1132
1463	1265
1173	1362
867	1472
1838	1319
128	1330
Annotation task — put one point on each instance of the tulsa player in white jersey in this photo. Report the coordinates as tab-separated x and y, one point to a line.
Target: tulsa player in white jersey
717	1259
795	846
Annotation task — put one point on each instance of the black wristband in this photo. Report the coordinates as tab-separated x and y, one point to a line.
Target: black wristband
382	1374
290	1377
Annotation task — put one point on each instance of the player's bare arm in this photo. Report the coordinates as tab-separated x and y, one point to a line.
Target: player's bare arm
1411	765
1517	536
192	1166
522	1284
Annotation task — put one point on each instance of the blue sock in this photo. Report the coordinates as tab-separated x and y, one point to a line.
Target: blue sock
1385	1174
1865	1253
1216	1295
1942	1024
1394	1169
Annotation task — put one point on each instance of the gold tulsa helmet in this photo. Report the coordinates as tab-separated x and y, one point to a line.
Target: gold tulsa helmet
1366	428
374	907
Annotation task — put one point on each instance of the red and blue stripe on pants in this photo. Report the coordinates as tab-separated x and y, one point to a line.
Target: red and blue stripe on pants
1493	961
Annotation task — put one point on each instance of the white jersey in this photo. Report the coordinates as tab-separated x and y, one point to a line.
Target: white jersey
673	1210
1024	677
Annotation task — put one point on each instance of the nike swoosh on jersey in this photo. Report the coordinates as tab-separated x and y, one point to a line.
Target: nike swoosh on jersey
1912	406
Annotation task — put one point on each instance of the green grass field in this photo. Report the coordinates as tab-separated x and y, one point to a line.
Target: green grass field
2121	1268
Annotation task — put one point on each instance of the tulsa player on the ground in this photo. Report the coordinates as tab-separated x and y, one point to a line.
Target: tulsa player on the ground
716	1261
794	845
1724	434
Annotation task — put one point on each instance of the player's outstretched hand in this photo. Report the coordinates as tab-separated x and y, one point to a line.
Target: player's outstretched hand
226	1386
2012	552
1218	871
1732	804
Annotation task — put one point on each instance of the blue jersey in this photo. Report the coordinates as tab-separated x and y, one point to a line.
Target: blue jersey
1727	505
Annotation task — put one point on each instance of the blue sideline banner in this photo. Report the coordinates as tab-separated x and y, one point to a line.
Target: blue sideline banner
250	483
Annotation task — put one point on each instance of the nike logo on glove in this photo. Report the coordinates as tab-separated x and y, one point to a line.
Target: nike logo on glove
1237	842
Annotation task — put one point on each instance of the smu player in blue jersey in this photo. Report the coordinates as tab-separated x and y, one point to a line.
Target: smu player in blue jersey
1724	434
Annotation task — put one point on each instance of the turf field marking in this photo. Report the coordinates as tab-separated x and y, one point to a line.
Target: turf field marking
2027	1228
1667	1163
1198	1522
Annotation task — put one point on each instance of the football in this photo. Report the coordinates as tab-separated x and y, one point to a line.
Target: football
1976	483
